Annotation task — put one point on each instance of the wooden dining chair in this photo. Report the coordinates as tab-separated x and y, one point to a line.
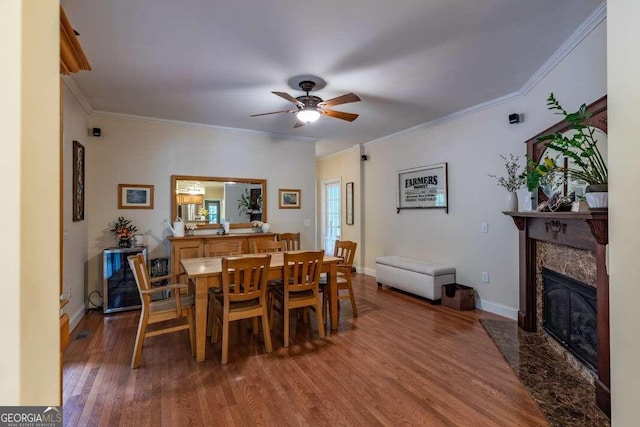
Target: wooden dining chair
300	288
268	246
346	250
178	305
216	249
292	240
244	286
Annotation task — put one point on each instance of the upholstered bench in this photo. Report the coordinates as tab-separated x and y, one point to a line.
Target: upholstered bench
422	278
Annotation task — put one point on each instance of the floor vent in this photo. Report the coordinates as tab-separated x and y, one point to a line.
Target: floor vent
83	334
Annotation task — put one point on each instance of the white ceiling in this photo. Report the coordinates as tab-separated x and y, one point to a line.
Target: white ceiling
411	61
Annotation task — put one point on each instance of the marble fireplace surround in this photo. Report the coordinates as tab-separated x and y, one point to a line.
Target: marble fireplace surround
579	264
574	244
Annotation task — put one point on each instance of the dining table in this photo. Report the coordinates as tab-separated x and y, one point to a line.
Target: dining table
206	273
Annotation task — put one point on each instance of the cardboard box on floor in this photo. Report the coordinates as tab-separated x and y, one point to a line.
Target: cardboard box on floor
460	297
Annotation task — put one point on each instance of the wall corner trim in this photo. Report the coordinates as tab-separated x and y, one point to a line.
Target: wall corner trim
75	90
593	20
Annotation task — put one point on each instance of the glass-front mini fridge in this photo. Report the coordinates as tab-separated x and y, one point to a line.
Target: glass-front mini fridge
120	289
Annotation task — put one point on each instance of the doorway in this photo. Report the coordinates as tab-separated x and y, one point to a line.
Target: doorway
331	226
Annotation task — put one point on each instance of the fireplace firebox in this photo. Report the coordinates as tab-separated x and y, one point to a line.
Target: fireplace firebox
570	315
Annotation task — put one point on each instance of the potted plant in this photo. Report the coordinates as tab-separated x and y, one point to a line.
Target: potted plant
512	182
123	230
580	148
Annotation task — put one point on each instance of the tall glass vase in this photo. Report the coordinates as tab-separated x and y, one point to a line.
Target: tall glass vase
512	202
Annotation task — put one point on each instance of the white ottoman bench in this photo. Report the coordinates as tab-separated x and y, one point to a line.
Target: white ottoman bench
422	278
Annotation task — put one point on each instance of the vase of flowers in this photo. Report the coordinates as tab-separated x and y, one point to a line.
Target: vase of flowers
190	227
123	230
257	226
512	182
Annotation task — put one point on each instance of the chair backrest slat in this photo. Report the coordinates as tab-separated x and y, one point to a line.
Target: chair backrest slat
141	274
346	250
245	278
291	240
222	249
303	270
268	246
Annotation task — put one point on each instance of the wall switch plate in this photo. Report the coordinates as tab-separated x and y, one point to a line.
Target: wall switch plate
484	227
307	223
485	277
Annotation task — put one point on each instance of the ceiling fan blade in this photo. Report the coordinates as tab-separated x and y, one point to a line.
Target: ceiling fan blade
344	99
299	123
286	96
274	112
340	115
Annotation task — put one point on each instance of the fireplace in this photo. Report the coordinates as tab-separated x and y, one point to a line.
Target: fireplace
571	249
570	315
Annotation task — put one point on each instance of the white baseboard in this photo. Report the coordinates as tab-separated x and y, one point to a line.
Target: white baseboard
76	317
496	308
485	305
369	272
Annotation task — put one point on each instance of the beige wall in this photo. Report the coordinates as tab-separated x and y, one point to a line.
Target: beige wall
30	109
74	233
149	152
346	167
471	145
624	232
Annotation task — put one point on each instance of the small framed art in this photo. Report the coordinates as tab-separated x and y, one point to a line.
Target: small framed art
135	196
349	203
78	181
289	199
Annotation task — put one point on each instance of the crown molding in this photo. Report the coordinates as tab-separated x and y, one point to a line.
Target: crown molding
77	93
339	153
591	23
133	117
454	116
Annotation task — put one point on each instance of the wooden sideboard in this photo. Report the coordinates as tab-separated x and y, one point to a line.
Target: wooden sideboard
193	246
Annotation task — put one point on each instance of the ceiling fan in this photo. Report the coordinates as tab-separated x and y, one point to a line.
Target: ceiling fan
309	107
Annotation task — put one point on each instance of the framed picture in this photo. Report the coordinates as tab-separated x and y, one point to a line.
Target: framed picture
423	188
135	196
289	199
349	203
78	181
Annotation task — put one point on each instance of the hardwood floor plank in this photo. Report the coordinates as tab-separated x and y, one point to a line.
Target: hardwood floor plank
401	362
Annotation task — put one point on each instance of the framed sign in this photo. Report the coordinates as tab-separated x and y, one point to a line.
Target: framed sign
135	196
289	199
423	188
349	203
78	181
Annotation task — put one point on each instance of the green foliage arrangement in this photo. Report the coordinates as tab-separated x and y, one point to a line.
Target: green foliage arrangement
581	148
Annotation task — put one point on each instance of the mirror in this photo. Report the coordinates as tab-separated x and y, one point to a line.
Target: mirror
208	201
537	150
567	185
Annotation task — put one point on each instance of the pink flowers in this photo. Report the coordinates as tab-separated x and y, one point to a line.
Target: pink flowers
123	229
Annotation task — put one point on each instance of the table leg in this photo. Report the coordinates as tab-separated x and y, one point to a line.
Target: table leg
201	317
333	292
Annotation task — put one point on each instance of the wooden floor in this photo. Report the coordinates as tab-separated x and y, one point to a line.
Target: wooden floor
401	362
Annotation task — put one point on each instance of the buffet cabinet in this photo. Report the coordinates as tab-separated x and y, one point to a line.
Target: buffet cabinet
194	246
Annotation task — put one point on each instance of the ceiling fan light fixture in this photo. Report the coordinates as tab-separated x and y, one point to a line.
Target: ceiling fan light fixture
308	115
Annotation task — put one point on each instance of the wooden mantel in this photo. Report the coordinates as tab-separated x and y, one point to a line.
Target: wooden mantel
588	231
